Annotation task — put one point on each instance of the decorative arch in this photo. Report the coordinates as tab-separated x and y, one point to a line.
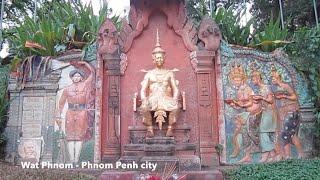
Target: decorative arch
176	19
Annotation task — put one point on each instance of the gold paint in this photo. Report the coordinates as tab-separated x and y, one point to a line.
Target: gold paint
159	93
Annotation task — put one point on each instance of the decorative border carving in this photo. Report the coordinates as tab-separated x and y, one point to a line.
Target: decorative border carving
107	38
123	63
209	33
139	19
193	59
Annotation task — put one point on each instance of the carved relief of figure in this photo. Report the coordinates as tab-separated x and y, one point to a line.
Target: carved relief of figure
78	96
159	94
209	34
268	120
247	123
28	151
107	39
289	116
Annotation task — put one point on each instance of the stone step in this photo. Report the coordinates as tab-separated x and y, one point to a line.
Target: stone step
162	162
133	153
159	147
129	159
160	154
184	162
134	147
186	147
160	140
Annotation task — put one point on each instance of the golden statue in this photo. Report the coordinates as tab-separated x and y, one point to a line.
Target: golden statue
159	94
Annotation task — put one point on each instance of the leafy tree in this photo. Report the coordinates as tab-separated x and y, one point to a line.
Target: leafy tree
304	53
198	8
4	103
300	17
296	13
271	37
15	9
230	25
265	11
58	26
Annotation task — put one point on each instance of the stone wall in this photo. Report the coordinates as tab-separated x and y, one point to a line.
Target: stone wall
30	126
34	130
233	134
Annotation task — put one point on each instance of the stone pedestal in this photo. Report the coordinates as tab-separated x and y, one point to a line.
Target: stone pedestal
160	146
162	150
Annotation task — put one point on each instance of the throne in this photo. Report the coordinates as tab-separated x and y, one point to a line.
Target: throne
137	102
190	49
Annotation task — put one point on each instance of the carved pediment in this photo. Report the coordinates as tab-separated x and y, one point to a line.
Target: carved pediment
207	33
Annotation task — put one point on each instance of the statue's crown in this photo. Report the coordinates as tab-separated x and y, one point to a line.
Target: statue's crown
254	67
274	72
158	48
237	71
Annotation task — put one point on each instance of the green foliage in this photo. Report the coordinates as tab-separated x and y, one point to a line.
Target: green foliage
59	26
4	103
306	44
14	10
265	11
294	17
46	33
219	148
291	169
300	17
271	37
305	54
197	9
87	151
230	25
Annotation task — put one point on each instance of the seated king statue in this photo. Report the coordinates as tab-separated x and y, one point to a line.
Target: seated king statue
159	94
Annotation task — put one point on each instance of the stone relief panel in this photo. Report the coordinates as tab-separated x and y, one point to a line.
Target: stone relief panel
32	116
262	96
74	117
29	149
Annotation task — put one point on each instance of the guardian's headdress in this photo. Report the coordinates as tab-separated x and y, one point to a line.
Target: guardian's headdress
237	71
275	73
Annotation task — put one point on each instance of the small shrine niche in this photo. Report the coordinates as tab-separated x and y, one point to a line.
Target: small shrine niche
124	59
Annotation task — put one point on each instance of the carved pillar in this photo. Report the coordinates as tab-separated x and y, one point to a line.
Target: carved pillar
112	74
203	64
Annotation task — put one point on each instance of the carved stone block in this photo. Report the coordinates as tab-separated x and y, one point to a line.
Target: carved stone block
30	149
31	130
189	163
